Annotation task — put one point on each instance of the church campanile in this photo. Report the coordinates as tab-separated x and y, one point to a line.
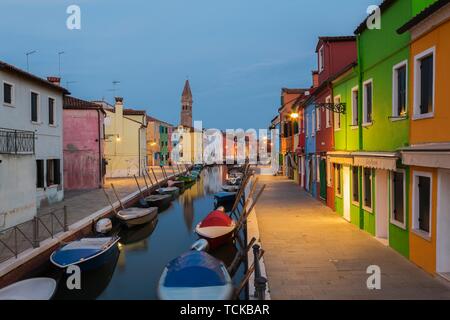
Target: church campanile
186	106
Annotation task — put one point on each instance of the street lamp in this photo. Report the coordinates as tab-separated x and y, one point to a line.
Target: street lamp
294	115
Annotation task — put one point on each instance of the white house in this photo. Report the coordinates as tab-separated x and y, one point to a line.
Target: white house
31	151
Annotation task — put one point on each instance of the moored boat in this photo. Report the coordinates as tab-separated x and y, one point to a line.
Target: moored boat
87	253
230	188
224	197
132	217
158	200
173	191
217	228
195	275
30	289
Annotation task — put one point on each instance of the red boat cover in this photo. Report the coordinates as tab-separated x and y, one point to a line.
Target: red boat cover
216	219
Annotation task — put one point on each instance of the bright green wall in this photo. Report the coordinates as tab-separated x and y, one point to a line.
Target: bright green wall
419	5
369	217
356	212
398	237
347	138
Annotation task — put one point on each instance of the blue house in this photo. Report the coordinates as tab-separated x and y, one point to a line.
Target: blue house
310	148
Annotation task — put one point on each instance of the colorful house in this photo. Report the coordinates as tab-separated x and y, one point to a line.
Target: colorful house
83	139
429	152
125	140
158	142
310	146
333	55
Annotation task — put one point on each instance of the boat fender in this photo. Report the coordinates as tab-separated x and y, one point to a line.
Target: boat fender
103	226
200	245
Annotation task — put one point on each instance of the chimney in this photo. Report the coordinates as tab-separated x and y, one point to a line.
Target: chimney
315	78
118	107
54	80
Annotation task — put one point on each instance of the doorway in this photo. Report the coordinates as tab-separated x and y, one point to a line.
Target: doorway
381	205
323	179
443	224
346	193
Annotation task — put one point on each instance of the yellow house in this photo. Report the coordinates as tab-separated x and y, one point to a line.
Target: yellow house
125	141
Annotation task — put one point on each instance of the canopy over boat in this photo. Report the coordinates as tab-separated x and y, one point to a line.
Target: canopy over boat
31	289
82	250
216	219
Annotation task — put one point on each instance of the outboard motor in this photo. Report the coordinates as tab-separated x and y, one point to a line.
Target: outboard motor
103	226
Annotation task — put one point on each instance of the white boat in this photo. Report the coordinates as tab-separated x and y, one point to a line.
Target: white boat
195	275
168	191
137	216
230	188
217	228
31	289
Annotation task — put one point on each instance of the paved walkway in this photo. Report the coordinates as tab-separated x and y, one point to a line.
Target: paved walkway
312	253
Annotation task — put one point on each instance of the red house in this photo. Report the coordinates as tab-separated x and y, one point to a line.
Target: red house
333	55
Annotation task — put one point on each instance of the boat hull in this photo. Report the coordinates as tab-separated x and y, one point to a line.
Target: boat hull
160	201
216	236
138	221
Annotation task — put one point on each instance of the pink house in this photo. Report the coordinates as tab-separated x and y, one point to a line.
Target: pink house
83	136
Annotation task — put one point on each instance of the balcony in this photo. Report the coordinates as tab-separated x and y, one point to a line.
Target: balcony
16	142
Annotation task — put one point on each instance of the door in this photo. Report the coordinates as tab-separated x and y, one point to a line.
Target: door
302	171
346	192
381	204
323	179
443	224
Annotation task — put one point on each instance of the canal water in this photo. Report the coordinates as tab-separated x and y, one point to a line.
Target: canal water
144	251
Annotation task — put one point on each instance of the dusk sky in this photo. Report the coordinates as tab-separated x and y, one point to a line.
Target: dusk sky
238	54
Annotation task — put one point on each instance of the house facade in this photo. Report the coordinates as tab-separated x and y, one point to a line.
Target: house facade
83	143
159	142
125	141
31	156
428	156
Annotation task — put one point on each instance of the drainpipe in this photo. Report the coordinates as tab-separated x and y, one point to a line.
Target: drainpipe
100	158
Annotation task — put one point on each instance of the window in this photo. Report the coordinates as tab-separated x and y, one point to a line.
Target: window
318	116
337	115
367	189
53	172
303	121
328	113
424	84
295	127
313	120
8	93
321	59
399	93
355	185
355	114
368	102
34	107
422	202
398	211
51	111
338	169
40	174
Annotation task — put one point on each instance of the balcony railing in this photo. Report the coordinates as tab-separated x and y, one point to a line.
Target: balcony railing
16	141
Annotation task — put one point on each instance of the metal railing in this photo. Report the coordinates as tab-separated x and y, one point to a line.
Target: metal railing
16	141
260	282
30	234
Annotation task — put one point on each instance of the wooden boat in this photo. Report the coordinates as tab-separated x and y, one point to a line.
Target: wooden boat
217	228
132	217
87	253
230	188
195	275
30	289
158	200
175	183
224	197
173	191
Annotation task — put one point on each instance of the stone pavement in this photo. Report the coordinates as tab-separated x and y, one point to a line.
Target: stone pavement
312	253
80	204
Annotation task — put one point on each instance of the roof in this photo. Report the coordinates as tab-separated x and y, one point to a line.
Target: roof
75	103
131	112
187	94
293	91
152	119
383	6
10	68
334	39
423	15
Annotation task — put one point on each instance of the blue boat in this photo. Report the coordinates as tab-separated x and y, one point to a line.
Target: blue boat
195	275
87	253
224	197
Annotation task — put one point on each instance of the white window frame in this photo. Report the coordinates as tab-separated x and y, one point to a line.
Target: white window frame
395	115
417	84
313	119
393	221
338	186
38	107
355	203
337	115
328	113
364	119
321	59
318	119
54	124
415	205
355	108
363	184
13	94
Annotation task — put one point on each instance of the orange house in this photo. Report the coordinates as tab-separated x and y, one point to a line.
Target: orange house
429	152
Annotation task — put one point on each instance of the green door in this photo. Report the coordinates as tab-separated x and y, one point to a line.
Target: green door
323	179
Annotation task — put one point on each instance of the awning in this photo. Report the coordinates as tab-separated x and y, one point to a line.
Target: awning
340	157
435	155
376	160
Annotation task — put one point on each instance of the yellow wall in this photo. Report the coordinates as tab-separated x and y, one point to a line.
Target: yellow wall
436	128
423	251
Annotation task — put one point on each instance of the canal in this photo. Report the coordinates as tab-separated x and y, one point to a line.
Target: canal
144	251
